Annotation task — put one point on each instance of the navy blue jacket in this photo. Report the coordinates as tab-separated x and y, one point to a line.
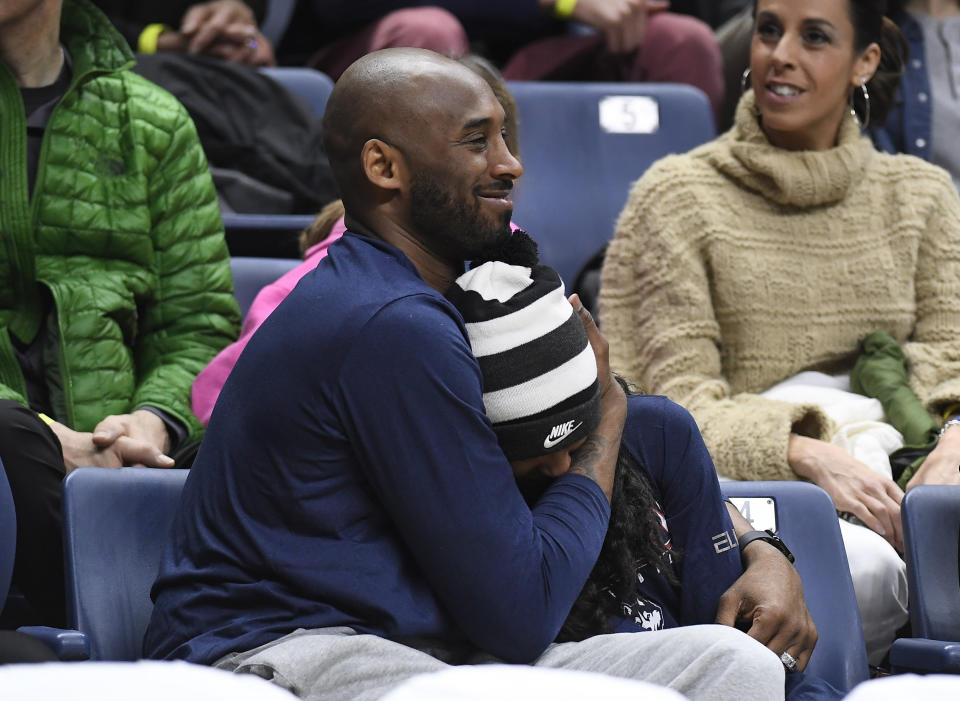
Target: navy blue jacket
350	477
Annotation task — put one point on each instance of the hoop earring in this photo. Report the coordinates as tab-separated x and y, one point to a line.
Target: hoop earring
866	105
745	80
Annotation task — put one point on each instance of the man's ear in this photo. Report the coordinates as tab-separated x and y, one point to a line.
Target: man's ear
382	165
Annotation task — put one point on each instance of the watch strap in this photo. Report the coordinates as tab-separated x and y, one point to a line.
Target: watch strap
947	424
768	536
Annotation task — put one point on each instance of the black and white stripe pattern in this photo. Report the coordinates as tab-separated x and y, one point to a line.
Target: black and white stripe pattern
540	374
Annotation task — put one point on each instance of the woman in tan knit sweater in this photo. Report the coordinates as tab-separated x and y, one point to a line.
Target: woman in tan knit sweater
774	249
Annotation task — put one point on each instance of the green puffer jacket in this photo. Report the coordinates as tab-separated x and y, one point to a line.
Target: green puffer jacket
123	230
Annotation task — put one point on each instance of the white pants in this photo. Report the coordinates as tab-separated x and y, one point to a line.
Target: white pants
880	582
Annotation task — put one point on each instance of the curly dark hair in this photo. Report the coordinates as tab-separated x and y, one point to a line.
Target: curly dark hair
634	536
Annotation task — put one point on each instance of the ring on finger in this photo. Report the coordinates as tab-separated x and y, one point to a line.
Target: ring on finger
789	661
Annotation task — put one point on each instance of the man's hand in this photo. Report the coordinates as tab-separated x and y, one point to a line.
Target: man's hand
597	458
141	425
206	23
854	487
80	450
769	597
224	28
942	465
241	45
622	22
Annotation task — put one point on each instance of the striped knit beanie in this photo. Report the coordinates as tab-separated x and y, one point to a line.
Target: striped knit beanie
540	386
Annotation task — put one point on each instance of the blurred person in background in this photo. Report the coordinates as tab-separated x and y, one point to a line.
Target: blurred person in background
116	286
925	118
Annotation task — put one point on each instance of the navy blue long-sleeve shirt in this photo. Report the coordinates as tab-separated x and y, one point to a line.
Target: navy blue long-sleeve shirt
668	447
666	443
349	477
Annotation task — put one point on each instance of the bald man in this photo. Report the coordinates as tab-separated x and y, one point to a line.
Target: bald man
350	520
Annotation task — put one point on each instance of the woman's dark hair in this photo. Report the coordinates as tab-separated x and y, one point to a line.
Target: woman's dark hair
872	25
634	537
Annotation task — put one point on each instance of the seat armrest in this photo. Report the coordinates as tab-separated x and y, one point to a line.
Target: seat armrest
68	645
925	656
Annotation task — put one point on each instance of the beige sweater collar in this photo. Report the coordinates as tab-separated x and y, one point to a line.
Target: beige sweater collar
798	178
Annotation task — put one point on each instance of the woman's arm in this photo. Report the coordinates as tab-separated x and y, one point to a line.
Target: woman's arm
933	354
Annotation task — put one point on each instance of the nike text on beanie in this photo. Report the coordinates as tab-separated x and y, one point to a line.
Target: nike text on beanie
540	387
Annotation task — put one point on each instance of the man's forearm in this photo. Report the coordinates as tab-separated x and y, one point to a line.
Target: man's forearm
597	457
757	548
592	460
740	524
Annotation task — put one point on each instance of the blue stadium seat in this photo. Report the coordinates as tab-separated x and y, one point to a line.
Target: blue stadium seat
271	235
250	275
276	234
807	522
115	524
116	521
583	145
931	536
8	536
313	86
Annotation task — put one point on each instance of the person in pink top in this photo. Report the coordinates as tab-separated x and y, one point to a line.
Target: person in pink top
207	385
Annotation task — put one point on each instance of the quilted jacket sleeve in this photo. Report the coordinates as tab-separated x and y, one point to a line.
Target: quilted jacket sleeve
9	392
193	314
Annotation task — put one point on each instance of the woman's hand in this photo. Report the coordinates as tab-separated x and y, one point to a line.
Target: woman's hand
942	465
854	487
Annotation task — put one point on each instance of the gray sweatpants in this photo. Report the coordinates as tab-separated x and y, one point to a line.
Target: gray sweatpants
702	662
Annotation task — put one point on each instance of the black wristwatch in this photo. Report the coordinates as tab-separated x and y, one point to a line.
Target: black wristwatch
768	536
